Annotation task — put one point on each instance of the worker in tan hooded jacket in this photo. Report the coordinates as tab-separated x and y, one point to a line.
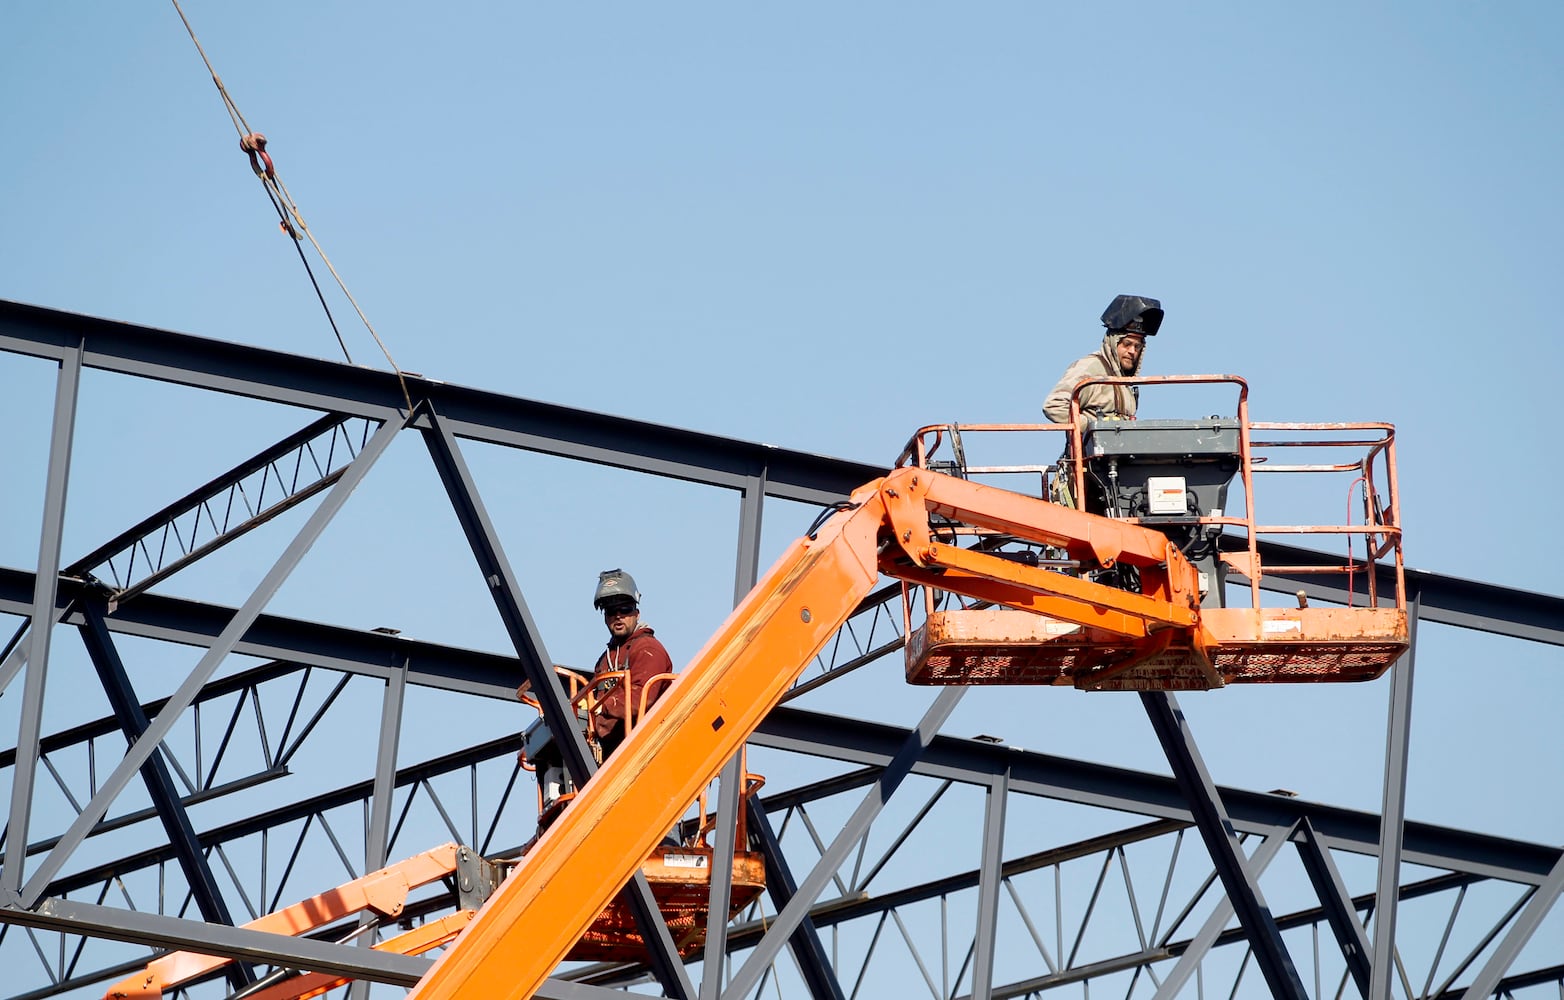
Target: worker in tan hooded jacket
1129	320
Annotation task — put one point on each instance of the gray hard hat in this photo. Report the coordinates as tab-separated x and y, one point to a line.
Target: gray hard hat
1133	314
613	583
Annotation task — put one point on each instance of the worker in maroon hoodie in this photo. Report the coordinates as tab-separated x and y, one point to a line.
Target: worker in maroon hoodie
632	647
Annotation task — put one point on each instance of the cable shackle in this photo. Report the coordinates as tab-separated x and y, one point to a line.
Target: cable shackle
255	144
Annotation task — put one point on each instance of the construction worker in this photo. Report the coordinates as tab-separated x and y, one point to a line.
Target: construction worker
633	648
1129	320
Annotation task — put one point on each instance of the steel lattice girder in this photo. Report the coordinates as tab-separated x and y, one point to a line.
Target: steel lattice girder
848	739
333	387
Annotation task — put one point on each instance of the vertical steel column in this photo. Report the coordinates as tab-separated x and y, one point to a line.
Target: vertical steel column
62	434
748	976
1194	781
721	894
988	885
1398	738
805	942
746	568
731	784
225	642
1337	902
1200	945
557	711
1537	908
375	846
160	784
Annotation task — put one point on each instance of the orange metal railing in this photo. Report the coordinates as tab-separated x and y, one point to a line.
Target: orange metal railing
1248	643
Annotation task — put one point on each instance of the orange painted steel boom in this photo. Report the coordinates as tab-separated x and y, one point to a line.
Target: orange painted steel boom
417	941
589	853
384	891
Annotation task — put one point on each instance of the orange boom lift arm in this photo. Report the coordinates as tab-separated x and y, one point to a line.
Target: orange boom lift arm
720	699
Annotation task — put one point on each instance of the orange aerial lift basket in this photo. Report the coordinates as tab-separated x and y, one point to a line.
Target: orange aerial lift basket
1173	476
678	870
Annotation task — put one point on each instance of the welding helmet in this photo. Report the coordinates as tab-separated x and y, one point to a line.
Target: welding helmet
1133	314
612	583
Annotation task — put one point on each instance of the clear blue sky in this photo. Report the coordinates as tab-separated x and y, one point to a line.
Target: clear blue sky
822	226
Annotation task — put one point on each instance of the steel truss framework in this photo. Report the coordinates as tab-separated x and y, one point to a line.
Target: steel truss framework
845	914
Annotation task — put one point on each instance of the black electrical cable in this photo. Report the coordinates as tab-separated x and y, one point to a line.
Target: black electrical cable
830	509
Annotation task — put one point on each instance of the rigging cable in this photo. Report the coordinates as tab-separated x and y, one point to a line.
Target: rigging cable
290	219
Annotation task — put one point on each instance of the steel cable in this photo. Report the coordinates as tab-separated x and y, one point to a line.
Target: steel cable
289	216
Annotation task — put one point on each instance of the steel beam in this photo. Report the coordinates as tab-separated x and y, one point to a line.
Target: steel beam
1392	823
160	784
377	837
558	712
998	793
41	614
359	651
731	784
1337	904
719	896
1221	840
537	667
746	565
330	386
163	932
